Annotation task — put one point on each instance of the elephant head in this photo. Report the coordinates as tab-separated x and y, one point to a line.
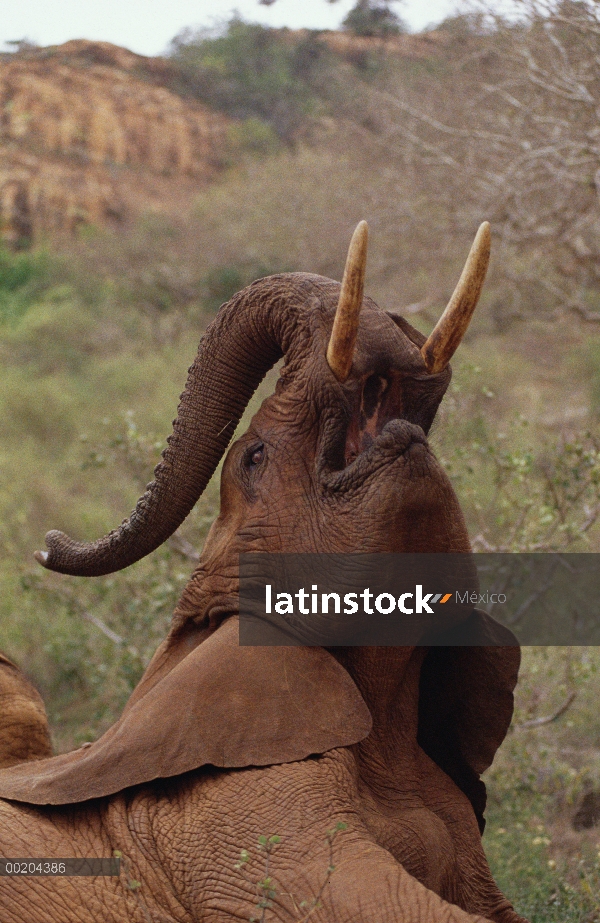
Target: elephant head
342	439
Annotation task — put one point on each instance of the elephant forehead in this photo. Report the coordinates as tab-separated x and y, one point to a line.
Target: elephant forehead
381	344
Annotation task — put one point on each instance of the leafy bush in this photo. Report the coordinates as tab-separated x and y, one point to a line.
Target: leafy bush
252	72
373	17
22	276
549	871
253	135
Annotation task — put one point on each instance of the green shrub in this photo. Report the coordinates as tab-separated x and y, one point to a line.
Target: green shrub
22	276
372	18
253	135
252	72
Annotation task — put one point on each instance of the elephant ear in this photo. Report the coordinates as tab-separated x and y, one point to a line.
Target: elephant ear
466	702
206	700
414	335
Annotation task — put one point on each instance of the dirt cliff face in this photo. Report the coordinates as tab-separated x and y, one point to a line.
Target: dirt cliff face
89	135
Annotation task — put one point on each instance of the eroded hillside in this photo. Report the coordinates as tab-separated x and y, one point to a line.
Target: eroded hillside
89	134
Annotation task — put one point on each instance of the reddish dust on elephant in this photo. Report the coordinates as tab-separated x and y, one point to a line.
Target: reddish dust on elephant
220	745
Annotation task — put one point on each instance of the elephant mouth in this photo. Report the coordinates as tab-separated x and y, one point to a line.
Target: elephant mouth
377	403
375	431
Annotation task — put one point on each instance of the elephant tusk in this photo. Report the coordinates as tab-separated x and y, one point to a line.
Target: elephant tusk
443	341
340	350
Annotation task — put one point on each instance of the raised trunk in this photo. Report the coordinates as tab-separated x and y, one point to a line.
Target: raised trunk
250	333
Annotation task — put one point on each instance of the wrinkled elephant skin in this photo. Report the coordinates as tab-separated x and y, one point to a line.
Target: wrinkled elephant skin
180	834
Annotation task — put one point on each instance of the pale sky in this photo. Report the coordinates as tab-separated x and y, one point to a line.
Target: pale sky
147	26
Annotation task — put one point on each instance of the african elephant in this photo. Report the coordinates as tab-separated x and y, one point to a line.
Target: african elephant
221	744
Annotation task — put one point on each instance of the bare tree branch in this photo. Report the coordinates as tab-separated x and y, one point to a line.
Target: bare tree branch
548	719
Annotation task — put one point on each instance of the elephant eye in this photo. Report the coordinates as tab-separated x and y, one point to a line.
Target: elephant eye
255	456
